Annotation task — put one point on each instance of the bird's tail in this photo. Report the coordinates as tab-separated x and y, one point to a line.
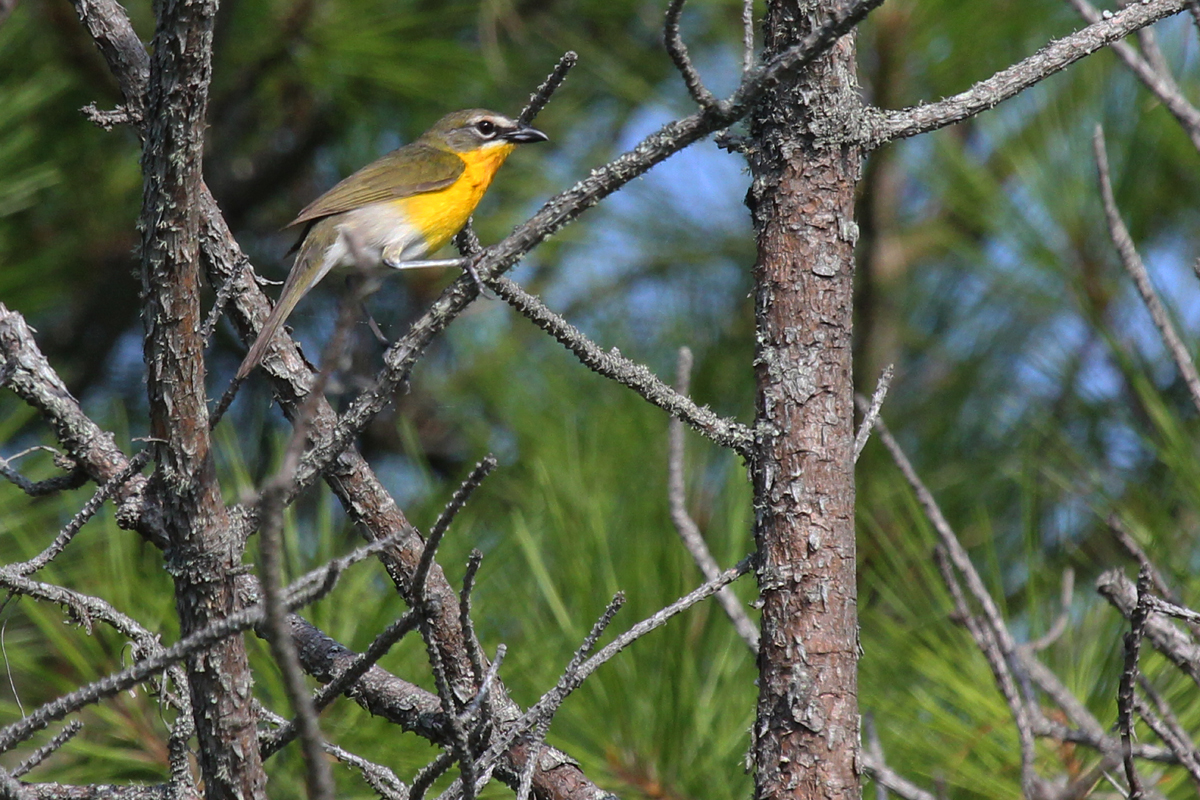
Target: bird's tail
304	275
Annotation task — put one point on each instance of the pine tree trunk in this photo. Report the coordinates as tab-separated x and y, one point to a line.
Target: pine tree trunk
806	735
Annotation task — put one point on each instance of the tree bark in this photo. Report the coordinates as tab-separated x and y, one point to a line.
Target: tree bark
802	199
203	554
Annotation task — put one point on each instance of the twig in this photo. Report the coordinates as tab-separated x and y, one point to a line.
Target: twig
613	365
542	95
88	511
464	614
269	745
678	52
379	777
883	126
71	480
886	779
45	751
747	36
307	589
219	302
430	773
25	370
988	641
1166	726
1152	72
458	736
1064	615
871	412
1133	644
1137	271
579	669
459	499
685	526
318	778
1166	638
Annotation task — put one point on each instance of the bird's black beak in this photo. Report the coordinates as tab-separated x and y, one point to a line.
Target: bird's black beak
526	135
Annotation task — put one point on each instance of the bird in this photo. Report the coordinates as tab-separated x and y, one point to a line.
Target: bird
397	209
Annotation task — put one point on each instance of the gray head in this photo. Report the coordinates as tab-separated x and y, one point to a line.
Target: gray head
475	128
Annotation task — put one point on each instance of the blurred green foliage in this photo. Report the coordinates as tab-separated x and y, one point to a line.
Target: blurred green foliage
1031	390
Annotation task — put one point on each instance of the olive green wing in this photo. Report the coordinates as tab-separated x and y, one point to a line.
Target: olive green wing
413	169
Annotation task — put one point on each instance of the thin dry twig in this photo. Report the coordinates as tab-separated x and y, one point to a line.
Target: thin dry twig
382	643
1125	692
464	615
1166	637
1166	726
1152	71
747	36
377	776
1064	615
886	779
871	410
613	365
73	479
678	52
307	589
581	667
882	126
81	517
1141	278
685	526
542	95
45	751
430	773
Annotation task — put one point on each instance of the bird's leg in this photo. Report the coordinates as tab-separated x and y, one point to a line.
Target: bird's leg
465	264
395	263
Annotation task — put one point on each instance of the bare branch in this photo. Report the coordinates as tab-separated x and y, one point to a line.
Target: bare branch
882	126
1141	279
538	100
1064	615
1167	728
1152	72
25	371
579	669
1133	644
71	480
611	364
77	522
886	779
45	751
1166	638
678	52
747	36
379	777
871	412
685	526
307	589
464	615
430	773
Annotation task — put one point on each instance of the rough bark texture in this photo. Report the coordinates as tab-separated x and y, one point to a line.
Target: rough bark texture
203	554
806	735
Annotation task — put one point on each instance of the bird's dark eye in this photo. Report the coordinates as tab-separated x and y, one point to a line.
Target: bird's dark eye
486	127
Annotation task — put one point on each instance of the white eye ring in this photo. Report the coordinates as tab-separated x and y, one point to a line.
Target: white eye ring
486	128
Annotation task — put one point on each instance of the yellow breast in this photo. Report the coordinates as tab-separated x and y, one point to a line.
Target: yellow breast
441	214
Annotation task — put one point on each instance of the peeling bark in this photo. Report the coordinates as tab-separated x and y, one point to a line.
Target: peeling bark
203	553
806	733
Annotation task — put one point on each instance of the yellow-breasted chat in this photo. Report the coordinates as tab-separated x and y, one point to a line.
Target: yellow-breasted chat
398	209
